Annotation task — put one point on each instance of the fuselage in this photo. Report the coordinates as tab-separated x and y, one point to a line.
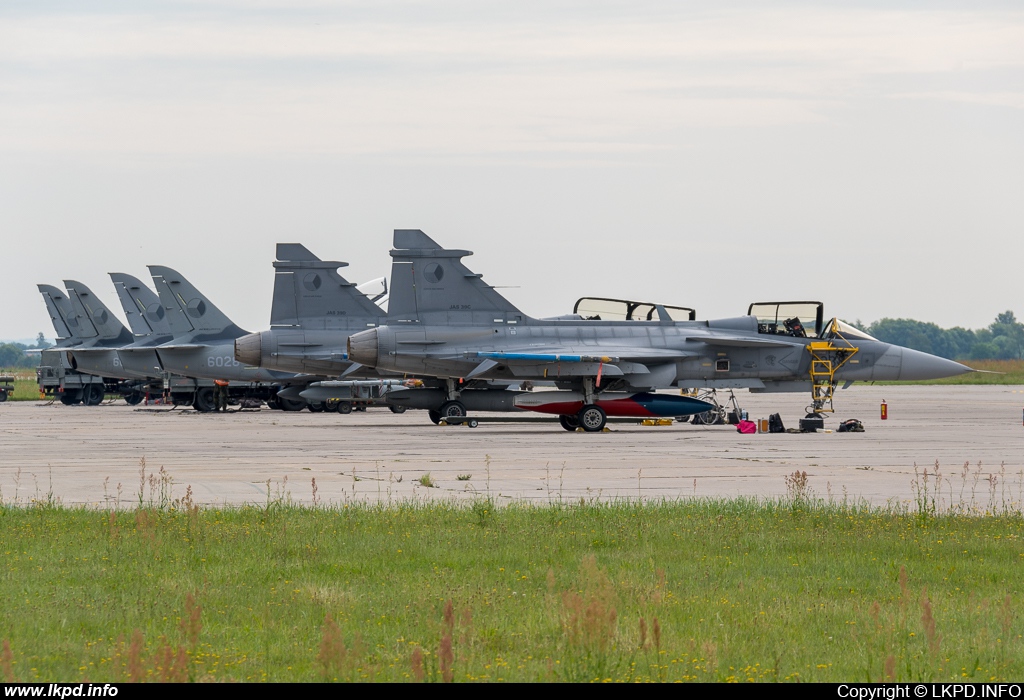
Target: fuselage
215	360
296	350
644	354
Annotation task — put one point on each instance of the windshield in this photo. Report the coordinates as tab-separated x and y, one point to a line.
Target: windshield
841	329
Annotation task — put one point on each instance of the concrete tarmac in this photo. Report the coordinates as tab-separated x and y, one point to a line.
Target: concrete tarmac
94	455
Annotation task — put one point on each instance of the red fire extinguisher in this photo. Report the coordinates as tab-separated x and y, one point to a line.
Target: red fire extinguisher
885	410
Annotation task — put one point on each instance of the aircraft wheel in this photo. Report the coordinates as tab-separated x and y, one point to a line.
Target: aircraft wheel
434	416
93	395
71	398
291	404
569	423
315	407
274	403
344	407
397	409
453	409
592	418
203	401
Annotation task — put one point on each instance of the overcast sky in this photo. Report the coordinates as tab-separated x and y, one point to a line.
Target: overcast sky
870	155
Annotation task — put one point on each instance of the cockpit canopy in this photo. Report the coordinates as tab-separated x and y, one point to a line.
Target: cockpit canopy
802	319
799	319
600	309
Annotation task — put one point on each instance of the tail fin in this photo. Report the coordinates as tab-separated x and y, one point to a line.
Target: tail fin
430	284
142	307
109	329
189	313
65	324
310	294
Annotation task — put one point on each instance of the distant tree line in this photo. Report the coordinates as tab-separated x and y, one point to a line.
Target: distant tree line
14	355
1003	339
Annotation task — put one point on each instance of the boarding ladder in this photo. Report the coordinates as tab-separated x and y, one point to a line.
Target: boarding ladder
827	356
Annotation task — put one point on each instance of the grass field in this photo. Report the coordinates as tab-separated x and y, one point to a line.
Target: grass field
25	386
741	590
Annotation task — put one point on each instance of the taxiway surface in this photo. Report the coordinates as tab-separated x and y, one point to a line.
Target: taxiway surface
92	455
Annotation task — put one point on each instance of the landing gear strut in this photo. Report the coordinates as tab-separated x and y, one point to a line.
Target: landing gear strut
452	408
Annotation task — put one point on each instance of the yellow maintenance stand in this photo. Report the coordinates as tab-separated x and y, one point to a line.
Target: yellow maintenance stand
827	356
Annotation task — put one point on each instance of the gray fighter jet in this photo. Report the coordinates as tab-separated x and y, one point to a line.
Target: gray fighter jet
203	345
135	358
148	321
94	337
315	309
611	367
56	373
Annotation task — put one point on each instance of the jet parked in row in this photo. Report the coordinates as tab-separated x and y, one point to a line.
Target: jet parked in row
444	321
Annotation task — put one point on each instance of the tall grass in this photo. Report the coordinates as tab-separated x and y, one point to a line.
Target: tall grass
797	588
25	386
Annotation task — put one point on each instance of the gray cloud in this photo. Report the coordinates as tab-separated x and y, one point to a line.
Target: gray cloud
865	154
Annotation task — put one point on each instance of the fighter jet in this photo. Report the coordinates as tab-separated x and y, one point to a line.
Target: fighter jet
56	373
203	345
94	337
314	311
148	321
134	359
609	367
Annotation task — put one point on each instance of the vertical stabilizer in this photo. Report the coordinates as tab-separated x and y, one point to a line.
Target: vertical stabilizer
430	284
189	312
310	294
146	315
61	314
109	329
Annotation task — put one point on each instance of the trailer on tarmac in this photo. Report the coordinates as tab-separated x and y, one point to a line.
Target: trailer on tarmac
59	380
6	387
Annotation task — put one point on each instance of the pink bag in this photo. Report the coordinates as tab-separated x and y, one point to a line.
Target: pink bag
746	427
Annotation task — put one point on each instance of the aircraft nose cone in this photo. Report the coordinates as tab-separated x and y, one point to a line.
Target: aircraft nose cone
249	349
919	365
362	347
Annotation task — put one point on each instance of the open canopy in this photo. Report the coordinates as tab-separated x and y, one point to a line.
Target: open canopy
799	319
600	309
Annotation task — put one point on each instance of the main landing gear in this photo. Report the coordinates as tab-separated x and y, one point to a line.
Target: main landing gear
591	417
452	408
